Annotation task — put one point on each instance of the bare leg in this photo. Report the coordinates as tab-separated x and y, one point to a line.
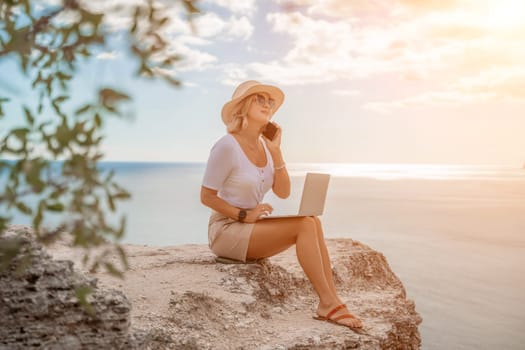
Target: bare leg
326	257
329	275
270	237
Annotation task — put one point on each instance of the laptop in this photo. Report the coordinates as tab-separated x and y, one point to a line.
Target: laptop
313	197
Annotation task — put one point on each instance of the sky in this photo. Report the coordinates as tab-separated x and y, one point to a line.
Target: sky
366	81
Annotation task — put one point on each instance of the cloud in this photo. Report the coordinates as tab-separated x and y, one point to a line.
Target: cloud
318	47
498	84
239	28
356	10
233	75
111	55
297	74
431	98
192	59
462	51
211	25
191	41
372	9
502	83
438	43
237	7
429	5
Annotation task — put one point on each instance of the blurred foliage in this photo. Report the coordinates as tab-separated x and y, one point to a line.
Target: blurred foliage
49	52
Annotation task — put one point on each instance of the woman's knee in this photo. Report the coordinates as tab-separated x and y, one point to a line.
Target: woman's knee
318	225
307	226
316	220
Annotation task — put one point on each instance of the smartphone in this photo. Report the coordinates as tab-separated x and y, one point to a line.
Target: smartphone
269	131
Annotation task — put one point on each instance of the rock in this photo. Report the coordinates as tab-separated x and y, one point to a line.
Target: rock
183	299
39	308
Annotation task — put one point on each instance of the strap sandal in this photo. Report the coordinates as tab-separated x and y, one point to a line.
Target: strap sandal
336	320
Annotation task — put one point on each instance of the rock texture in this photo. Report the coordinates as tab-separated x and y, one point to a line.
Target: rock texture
183	299
40	309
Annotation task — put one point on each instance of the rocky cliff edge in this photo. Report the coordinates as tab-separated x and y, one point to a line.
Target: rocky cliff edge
179	297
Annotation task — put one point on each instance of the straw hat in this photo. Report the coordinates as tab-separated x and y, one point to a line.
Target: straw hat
247	88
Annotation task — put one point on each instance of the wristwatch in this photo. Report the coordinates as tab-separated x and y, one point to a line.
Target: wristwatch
242	215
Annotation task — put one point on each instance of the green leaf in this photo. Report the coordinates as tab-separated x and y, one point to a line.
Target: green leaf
58	207
122	195
4	220
20	44
63	76
33	175
98	120
163	21
60	99
24	208
4	164
9	248
190	7
110	97
82	292
171	81
63	135
2	100
112	109
113	270
83	109
37	80
55	194
39	215
43	125
40	102
110	175
123	256
21	133
10	192
110	202
122	228
30	119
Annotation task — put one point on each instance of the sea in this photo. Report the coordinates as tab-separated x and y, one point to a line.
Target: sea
453	234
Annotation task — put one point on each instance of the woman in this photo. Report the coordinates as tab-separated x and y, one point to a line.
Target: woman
243	165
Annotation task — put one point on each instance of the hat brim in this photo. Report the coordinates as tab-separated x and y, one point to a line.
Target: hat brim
273	91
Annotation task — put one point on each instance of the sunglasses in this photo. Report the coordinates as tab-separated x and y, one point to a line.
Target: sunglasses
262	100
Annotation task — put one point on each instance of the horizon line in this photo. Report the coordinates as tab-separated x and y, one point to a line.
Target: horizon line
308	163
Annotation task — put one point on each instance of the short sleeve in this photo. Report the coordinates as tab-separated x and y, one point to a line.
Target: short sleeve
220	164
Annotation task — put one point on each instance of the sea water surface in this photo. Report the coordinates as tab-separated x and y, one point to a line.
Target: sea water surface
454	235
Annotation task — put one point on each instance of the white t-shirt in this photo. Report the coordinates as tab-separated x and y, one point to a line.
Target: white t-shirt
237	180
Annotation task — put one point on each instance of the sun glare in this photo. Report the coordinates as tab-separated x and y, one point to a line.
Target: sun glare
506	13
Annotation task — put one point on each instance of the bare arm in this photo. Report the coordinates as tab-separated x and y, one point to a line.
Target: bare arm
210	199
281	179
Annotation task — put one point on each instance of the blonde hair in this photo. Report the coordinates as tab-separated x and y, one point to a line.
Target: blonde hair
239	120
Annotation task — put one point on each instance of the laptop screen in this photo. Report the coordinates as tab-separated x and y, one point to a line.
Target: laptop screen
314	194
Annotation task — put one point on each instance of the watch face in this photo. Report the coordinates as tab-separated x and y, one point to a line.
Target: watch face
242	215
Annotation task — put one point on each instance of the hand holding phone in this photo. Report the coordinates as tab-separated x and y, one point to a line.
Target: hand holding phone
270	130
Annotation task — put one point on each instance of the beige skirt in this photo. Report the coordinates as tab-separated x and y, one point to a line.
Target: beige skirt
227	237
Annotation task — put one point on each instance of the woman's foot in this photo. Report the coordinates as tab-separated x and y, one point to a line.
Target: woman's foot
338	314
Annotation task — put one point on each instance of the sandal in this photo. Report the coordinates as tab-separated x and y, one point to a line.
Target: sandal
335	320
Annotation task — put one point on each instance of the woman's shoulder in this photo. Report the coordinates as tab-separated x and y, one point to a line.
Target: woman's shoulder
226	142
226	139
